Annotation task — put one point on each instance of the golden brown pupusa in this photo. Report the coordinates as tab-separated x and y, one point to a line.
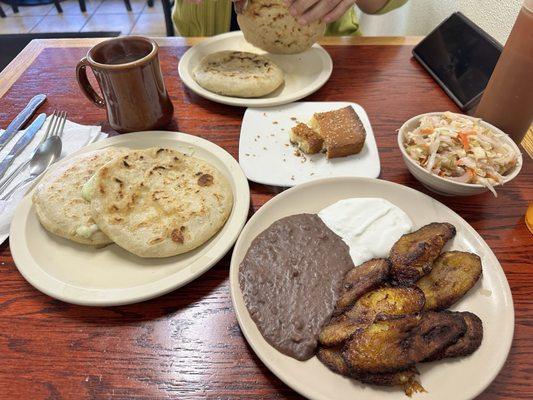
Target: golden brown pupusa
58	199
159	202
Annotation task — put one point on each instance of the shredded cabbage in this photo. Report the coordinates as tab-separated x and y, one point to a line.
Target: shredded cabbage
458	148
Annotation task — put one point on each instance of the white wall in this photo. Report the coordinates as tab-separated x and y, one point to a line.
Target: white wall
419	17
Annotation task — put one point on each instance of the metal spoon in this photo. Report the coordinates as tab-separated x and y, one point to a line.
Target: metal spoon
47	153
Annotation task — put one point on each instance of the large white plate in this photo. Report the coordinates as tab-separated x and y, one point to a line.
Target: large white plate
111	276
305	72
266	155
490	299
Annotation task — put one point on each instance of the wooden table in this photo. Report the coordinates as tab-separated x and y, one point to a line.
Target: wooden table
188	344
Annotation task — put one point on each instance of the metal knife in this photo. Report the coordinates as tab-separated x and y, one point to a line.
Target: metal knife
22	143
19	121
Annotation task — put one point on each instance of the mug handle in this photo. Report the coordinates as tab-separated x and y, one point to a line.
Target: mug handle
85	85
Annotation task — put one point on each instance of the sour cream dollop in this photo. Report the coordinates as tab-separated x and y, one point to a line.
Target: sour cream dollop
369	226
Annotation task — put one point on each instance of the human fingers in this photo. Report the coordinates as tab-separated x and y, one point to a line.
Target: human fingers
239	5
319	11
338	11
299	7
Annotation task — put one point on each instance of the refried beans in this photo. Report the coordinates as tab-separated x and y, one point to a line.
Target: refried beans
291	278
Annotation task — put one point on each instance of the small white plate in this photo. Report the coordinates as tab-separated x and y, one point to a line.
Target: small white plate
267	156
304	73
111	276
490	299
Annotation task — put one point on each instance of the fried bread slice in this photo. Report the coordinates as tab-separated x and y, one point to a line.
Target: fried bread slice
342	130
306	138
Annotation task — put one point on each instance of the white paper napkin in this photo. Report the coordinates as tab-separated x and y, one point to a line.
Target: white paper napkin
74	137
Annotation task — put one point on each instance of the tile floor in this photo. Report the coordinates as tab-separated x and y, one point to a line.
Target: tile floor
101	15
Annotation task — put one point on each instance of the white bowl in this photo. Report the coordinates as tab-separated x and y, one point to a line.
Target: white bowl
445	186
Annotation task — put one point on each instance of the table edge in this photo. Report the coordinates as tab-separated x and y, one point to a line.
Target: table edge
24	59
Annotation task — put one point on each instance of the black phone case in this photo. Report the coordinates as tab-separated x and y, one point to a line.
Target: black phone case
469	105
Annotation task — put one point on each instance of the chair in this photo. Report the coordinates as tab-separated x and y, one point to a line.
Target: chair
167	9
14	6
83	5
58	6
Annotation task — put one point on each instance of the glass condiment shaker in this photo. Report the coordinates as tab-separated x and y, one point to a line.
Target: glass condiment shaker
507	101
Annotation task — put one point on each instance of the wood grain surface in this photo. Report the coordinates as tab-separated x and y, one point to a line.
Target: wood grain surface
187	344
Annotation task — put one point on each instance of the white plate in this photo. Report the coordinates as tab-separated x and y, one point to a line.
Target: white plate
305	72
111	276
490	299
267	157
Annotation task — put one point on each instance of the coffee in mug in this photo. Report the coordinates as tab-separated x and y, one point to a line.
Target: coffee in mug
128	73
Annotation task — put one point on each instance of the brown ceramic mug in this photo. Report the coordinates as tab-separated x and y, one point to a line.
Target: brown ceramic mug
128	73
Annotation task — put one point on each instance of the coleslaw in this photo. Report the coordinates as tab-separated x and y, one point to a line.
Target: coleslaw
460	149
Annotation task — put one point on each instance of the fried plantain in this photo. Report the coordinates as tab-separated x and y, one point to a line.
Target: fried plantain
397	343
360	280
466	344
383	301
454	273
332	358
388	301
413	254
339	330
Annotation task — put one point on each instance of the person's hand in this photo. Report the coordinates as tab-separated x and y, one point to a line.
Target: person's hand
239	5
307	11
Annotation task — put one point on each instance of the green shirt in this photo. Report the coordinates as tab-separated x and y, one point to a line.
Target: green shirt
213	17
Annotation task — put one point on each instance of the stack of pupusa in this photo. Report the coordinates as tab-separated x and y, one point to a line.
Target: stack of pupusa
339	133
154	202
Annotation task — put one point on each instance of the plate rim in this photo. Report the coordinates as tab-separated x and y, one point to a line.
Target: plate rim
302	390
289	185
190	83
22	256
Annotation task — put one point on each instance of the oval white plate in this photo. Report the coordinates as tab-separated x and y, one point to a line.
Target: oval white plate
305	72
490	299
111	276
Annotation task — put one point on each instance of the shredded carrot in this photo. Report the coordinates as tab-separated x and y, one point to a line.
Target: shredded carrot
463	137
426	131
471	172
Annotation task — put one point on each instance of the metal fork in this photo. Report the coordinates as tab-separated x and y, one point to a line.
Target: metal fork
55	128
